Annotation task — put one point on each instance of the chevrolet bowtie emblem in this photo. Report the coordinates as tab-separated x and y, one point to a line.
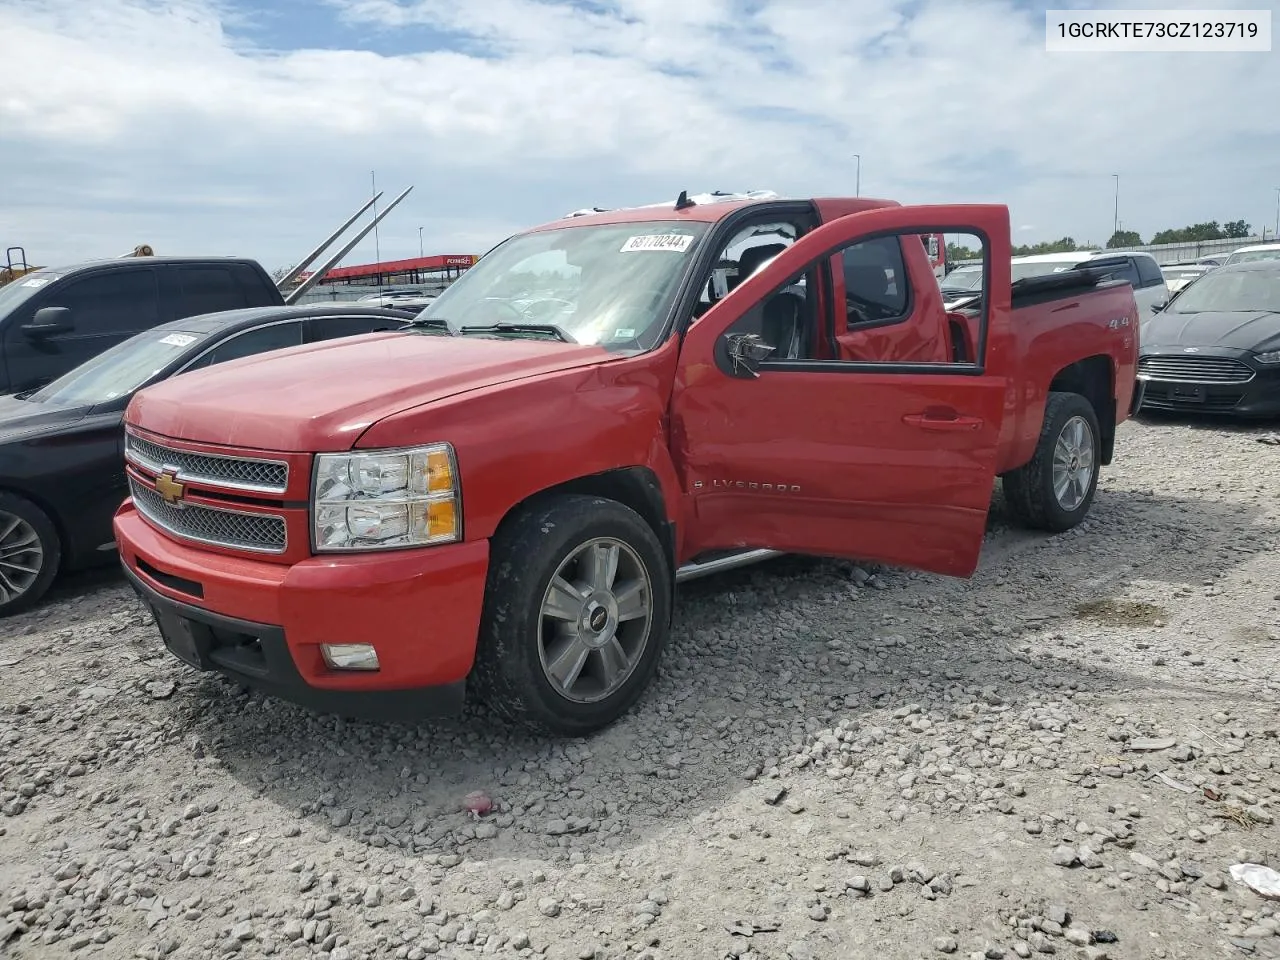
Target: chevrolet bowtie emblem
169	488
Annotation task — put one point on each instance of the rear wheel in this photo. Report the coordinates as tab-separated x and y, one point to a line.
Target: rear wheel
577	609
1055	490
30	553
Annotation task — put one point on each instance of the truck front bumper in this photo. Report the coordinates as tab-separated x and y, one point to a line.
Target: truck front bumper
262	624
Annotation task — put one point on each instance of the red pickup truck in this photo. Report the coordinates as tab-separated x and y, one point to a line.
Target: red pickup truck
504	496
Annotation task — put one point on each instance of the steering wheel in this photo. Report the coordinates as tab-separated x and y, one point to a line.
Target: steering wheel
538	310
483	306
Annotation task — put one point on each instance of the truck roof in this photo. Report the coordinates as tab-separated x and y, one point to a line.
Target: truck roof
700	208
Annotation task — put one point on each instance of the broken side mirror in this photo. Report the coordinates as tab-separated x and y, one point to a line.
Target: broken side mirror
746	352
48	321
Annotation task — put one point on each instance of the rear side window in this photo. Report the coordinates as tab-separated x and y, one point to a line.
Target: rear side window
208	290
119	302
259	291
331	328
274	337
1120	268
1149	271
876	289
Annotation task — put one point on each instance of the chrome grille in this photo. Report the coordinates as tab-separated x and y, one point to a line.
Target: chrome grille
1187	368
240	473
259	532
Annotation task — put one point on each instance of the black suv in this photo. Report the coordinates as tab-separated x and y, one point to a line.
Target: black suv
54	319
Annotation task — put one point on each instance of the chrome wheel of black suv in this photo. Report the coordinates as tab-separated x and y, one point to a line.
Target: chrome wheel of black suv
29	553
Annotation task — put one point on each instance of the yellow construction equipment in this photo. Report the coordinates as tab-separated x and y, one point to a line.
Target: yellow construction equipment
14	267
16	262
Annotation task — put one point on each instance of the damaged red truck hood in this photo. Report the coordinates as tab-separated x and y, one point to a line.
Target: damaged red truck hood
322	397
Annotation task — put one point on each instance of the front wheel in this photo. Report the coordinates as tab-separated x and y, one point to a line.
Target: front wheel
30	553
1055	489
577	608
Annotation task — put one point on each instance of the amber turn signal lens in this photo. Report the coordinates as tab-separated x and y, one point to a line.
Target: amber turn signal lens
439	472
442	519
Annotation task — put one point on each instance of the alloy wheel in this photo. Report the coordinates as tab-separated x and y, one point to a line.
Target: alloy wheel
595	621
21	557
1073	463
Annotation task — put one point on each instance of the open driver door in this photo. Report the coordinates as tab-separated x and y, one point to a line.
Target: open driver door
881	461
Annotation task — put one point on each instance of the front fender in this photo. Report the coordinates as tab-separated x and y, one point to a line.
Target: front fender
517	439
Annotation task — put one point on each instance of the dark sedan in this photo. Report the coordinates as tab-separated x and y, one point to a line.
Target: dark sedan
61	447
1215	347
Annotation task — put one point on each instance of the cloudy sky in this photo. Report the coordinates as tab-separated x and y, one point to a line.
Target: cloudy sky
235	127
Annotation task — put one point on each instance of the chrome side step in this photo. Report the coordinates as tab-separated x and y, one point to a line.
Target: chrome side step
693	571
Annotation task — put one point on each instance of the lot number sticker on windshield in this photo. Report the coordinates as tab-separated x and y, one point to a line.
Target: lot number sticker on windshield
36	281
178	339
676	242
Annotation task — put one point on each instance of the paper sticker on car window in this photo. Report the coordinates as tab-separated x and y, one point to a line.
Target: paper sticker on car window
674	242
623	333
178	339
36	281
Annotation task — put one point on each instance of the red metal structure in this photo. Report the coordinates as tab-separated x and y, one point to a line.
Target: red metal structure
445	267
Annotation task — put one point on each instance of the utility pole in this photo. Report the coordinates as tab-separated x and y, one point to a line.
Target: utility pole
1116	222
420	243
377	247
1276	232
857	189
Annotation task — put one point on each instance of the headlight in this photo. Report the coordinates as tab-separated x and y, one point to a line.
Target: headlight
386	499
1271	356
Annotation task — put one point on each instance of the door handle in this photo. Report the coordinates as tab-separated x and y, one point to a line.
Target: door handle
926	421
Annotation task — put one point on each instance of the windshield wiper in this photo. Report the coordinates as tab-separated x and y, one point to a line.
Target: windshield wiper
514	326
433	323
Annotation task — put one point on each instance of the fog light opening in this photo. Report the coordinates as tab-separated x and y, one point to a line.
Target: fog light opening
349	656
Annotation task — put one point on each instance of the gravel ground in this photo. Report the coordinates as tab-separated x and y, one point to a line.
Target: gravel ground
1064	755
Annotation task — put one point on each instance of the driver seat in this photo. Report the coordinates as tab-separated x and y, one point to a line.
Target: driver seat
751	260
782	325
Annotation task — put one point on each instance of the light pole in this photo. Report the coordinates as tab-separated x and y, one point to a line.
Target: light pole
1276	233
377	246
857	189
419	243
1116	222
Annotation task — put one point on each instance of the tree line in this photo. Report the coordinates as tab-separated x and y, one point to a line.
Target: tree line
1210	230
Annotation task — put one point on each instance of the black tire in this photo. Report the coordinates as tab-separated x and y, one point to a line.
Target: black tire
15	513
524	556
1029	489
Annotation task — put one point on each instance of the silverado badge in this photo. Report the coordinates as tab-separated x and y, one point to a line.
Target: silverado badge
170	488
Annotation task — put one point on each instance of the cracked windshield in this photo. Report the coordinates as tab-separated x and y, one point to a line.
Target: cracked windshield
609	285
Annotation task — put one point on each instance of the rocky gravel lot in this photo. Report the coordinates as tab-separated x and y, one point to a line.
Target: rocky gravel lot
1063	756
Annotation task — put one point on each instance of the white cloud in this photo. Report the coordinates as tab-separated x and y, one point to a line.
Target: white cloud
129	121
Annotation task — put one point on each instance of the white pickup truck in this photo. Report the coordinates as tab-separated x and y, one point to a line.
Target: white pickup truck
1140	269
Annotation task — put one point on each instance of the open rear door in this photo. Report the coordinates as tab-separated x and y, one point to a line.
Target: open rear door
883	461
